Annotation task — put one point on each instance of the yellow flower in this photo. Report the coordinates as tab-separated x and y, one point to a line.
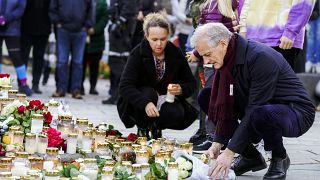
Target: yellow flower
6	139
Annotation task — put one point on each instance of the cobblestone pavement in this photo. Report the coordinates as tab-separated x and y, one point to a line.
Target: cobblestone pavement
304	151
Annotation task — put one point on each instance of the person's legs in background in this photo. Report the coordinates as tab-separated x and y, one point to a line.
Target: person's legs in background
13	45
39	47
64	45
311	47
116	67
78	44
94	71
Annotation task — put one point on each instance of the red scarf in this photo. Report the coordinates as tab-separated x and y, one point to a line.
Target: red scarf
221	104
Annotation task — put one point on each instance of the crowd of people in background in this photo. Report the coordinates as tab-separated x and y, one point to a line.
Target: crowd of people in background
74	33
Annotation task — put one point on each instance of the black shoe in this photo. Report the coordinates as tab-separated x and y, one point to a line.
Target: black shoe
203	147
199	137
242	164
93	92
278	168
111	100
26	90
36	90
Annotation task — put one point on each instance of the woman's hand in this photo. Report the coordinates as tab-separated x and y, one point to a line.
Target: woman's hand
151	110
220	167
175	89
214	150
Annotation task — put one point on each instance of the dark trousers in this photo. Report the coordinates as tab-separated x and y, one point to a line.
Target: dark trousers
289	54
116	67
171	114
39	45
93	60
272	122
182	42
13	46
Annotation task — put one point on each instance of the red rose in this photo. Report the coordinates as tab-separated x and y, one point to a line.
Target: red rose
132	137
21	109
4	75
47	117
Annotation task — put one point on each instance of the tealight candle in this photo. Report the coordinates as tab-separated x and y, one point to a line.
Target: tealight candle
173	172
142	157
36	123
170	97
72	143
156	146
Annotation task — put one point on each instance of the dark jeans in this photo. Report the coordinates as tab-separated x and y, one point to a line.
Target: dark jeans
289	54
116	67
39	45
93	60
74	43
171	114
272	122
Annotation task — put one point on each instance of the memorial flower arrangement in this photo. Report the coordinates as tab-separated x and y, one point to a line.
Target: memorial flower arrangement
184	166
5	80
22	113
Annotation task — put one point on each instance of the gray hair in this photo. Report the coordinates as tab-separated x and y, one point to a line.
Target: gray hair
212	32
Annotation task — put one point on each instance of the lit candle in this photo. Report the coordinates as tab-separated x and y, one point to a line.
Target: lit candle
142	157
4	90
21	98
170	97
156	146
30	143
169	145
36	123
87	141
18	137
159	159
99	138
173	172
136	170
145	169
106	174
72	143
42	143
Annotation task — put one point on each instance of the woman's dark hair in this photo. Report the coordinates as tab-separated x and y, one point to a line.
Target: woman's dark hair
155	20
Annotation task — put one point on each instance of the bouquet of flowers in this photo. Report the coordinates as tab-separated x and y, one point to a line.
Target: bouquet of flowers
184	166
5	80
21	114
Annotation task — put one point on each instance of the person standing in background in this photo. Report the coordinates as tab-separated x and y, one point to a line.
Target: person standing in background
10	24
72	20
35	30
279	24
122	14
94	48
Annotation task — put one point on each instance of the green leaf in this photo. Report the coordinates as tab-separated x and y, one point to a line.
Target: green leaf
27	130
110	127
74	172
13	122
25	124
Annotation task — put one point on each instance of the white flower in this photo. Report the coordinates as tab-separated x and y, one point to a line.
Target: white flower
180	160
186	166
10	108
183	174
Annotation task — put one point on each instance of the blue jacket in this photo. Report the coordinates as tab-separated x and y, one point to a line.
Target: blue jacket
13	11
262	76
73	15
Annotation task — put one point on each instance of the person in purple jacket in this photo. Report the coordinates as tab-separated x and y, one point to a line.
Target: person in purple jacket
253	83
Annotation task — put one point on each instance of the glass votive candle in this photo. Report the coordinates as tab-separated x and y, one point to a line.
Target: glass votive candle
12	93
169	145
42	143
107	174
142	157
102	149
111	139
53	109
5	175
128	166
109	165
36	163
18	137
136	170
4	90
51	159
186	148
145	169
65	125
81	125
12	129
37	123
142	141
52	175
99	138
21	98
173	171
136	147
72	143
30	143
87	141
5	164
159	159
156	146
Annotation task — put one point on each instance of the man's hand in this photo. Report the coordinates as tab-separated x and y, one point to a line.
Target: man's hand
191	57
285	43
220	167
214	150
175	89
140	16
91	31
151	110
